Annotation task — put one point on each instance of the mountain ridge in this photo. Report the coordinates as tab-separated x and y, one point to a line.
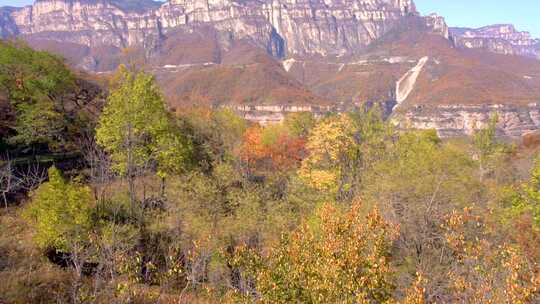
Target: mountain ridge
263	57
281	27
497	38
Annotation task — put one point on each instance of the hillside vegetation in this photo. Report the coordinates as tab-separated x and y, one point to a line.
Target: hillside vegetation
205	207
45	106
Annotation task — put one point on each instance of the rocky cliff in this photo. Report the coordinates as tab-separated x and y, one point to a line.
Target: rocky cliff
282	27
501	39
464	120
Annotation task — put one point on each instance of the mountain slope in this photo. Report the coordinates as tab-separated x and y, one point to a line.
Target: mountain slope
454	90
248	76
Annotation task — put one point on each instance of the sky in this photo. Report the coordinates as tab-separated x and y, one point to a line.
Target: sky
524	14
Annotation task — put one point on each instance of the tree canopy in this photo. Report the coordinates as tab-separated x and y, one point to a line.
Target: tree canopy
34	82
60	211
136	129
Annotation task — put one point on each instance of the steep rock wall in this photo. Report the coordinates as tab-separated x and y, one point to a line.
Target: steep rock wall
464	120
283	27
501	39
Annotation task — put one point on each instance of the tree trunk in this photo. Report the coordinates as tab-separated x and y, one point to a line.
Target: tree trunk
130	171
5	199
162	187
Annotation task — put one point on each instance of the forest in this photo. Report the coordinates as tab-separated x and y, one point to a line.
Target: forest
110	196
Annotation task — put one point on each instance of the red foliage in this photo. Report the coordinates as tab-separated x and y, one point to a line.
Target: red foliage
288	152
531	140
252	147
284	154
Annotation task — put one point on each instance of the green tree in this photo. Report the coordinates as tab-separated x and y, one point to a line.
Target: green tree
137	131
34	82
60	211
418	181
39	123
525	200
489	150
216	134
299	123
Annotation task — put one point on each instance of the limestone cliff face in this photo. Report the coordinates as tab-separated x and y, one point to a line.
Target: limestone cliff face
448	120
265	115
333	26
464	120
502	39
282	27
438	25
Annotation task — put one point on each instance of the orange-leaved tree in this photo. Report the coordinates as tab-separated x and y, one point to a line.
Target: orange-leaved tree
343	258
486	271
271	148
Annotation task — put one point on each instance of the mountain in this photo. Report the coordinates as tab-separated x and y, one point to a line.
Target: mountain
500	38
265	58
94	29
426	82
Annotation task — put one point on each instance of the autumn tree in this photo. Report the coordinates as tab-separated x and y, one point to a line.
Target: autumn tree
484	270
299	123
342	148
342	259
417	182
331	146
272	149
488	149
253	150
519	208
216	134
527	199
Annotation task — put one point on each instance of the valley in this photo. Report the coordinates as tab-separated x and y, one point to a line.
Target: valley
266	151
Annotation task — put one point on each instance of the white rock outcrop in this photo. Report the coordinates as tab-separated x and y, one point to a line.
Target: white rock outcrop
500	38
405	85
464	120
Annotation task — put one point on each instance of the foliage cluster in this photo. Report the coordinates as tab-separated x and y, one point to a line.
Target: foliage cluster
35	83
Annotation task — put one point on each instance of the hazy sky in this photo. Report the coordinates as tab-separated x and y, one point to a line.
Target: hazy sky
525	14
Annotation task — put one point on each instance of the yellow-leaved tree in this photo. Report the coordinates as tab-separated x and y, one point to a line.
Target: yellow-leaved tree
60	211
343	259
342	148
331	146
484	271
